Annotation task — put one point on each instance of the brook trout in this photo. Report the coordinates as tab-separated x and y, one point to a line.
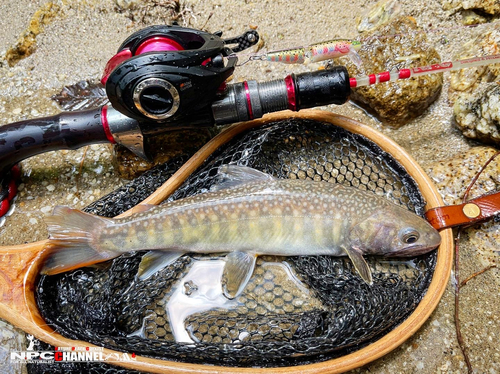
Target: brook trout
249	213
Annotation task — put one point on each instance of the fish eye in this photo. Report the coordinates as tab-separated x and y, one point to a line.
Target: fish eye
409	235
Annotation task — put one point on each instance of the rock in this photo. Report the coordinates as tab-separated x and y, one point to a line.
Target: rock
477	114
11	339
487	6
397	45
26	43
466	80
472	18
378	15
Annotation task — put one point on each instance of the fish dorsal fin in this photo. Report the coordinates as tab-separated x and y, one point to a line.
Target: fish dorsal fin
237	272
360	264
154	261
230	176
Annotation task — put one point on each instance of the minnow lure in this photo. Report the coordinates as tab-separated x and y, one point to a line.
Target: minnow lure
315	52
249	213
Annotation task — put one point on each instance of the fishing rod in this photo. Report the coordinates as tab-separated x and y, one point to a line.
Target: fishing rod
170	77
394	75
165	78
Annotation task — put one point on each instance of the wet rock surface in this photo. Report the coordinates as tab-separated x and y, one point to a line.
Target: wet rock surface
378	15
452	176
487	6
482	44
478	114
11	338
397	45
76	45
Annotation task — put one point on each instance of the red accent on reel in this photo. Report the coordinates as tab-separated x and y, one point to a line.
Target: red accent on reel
105	124
158	44
116	60
290	90
249	101
154	44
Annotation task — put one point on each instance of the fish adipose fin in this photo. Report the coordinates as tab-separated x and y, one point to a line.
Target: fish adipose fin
237	272
360	264
154	261
230	176
70	240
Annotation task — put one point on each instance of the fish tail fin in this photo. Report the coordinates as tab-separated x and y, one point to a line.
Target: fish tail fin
71	233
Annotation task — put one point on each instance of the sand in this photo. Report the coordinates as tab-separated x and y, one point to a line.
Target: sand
81	36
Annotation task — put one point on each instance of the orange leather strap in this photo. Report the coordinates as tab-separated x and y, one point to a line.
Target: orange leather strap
473	211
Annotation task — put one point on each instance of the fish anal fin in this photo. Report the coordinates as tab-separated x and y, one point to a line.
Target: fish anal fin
154	261
237	272
360	264
230	176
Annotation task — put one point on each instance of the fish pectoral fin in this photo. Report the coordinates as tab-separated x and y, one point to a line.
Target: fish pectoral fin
237	272
360	264
230	176
154	261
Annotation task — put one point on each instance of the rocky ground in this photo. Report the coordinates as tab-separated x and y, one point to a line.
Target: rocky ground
70	40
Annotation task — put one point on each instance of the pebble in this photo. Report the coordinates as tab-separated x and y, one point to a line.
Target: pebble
46	209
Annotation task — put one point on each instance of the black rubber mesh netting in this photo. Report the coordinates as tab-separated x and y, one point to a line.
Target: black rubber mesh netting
105	305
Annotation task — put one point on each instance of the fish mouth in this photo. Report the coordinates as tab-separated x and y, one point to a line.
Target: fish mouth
412	251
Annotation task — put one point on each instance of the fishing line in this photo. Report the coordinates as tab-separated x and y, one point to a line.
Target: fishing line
254	56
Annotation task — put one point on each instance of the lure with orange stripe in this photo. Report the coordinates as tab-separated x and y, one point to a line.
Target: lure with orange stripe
315	52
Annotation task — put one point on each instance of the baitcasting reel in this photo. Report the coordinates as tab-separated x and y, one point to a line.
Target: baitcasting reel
165	78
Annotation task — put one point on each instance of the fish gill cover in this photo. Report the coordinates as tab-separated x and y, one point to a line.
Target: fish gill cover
329	311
